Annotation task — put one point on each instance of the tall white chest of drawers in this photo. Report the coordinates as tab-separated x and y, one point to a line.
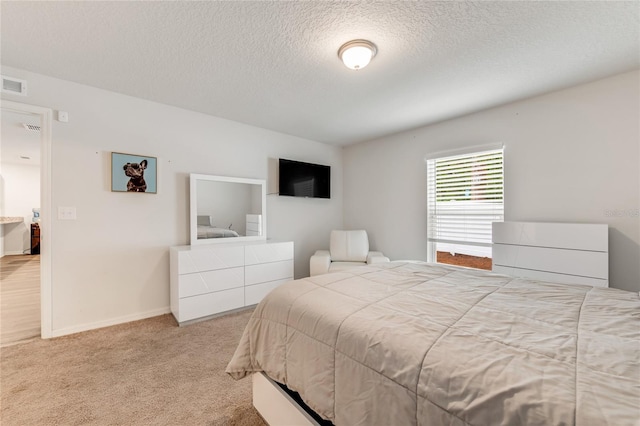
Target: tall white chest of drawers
210	279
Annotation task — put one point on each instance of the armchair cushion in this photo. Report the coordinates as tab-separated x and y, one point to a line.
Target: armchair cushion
320	262
376	257
341	266
349	246
347	249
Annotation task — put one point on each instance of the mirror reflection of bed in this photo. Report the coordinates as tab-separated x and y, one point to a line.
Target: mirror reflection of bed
226	208
207	229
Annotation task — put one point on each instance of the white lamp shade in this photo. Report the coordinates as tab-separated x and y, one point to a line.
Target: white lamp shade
357	54
357	57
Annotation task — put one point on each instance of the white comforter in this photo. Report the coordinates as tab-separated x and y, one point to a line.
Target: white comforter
213	232
418	344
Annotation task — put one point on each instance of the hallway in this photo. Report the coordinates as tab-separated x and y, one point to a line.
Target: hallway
19	298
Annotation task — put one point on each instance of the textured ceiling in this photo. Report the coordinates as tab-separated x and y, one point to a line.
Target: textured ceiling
275	65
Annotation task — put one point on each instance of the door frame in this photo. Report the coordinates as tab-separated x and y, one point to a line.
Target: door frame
46	211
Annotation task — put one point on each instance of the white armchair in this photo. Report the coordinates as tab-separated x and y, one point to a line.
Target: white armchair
346	250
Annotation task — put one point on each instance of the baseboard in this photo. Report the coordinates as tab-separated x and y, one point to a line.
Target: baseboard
107	323
14	253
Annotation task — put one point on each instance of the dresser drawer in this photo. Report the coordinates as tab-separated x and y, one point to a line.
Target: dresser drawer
210	281
210	303
273	252
254	228
253	294
255	274
209	258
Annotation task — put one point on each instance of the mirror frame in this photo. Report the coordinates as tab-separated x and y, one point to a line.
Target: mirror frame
193	210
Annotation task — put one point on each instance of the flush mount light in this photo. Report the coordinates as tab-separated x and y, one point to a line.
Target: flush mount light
356	54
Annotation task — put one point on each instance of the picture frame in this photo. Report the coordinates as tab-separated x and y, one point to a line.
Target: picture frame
134	173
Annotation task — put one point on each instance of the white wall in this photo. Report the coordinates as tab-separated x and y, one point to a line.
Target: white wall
570	156
21	193
112	263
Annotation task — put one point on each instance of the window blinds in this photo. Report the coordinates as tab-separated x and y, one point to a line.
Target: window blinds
465	194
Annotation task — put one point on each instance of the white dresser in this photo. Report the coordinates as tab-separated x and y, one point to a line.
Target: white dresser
210	279
573	253
253	225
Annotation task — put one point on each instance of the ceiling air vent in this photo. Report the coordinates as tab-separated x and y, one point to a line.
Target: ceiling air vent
14	86
31	127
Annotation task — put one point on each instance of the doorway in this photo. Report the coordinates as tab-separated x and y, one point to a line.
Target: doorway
20	233
25	211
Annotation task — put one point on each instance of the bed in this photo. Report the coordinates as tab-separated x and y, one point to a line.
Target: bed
411	343
207	230
213	232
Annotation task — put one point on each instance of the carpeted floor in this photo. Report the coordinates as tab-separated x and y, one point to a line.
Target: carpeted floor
148	372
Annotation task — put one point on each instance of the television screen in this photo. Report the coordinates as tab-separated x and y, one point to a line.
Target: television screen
299	179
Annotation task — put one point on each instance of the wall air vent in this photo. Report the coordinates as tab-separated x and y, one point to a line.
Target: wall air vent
31	127
14	86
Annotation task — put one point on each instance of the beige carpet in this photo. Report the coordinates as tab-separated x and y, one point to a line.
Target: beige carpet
148	372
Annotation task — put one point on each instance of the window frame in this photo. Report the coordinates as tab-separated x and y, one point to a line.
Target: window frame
497	211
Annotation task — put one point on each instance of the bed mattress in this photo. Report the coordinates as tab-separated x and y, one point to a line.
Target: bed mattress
415	343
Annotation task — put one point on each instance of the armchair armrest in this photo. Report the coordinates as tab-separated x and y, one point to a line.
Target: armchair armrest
319	262
376	257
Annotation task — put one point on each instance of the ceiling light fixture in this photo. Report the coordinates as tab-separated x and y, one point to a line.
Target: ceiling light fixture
356	54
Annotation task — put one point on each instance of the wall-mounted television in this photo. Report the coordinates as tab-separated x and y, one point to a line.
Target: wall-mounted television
298	179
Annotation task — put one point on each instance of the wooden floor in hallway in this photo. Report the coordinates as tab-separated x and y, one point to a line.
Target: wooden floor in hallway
19	298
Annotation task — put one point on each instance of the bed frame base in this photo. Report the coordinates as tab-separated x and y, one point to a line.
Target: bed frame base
275	406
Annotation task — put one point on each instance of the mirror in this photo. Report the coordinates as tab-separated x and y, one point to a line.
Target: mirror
227	209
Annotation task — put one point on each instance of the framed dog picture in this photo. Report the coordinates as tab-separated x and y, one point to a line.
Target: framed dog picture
134	173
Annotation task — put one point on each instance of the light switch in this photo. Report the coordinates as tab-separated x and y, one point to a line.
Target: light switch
66	213
63	116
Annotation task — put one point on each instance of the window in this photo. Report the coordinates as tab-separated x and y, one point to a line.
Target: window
465	193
